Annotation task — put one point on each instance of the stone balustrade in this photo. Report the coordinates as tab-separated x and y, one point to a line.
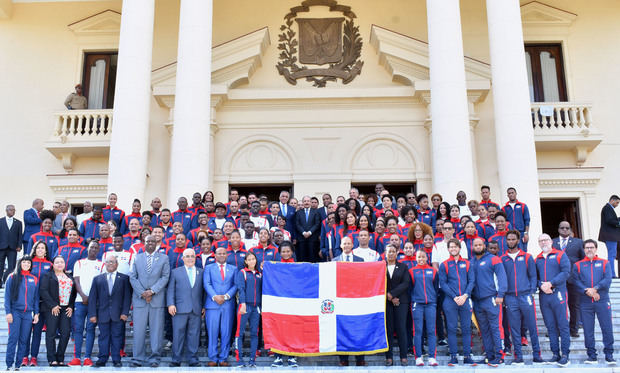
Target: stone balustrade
561	116
95	124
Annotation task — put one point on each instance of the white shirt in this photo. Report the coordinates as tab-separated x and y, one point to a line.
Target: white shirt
9	222
85	216
513	256
250	242
219	223
193	273
124	259
366	253
259	221
107	278
440	252
464	211
86	270
390	269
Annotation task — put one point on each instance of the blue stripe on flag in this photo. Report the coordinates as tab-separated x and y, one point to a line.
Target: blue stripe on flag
291	280
353	338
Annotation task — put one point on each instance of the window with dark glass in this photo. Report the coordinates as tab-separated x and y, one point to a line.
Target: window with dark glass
99	79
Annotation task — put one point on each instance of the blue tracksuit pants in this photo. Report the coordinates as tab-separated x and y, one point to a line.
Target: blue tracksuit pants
453	313
488	314
424	314
522	308
19	331
602	310
252	315
554	308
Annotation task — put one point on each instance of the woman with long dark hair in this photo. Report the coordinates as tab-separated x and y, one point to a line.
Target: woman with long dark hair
57	292
22	309
249	282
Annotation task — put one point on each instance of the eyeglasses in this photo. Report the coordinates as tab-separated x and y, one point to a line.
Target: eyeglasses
564	227
448	228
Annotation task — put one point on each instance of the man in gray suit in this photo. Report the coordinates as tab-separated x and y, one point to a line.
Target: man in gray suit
185	298
149	276
61	217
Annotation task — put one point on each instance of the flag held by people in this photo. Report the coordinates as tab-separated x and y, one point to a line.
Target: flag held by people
324	309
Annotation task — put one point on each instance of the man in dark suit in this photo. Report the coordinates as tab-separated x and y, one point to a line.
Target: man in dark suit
288	212
219	283
184	298
108	307
32	221
10	241
573	247
274	212
610	230
308	225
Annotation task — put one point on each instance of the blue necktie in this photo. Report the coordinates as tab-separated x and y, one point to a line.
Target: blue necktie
307	215
190	273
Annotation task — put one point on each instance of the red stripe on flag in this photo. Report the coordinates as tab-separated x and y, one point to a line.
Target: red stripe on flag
295	334
360	280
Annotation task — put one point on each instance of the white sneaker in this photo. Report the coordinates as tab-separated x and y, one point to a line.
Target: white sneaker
419	362
432	362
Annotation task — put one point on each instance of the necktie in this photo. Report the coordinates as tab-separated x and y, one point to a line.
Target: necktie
190	273
284	209
222	271
149	263
348	259
306	215
110	283
563	246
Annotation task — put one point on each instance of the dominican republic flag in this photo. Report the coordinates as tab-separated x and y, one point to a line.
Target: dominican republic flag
334	308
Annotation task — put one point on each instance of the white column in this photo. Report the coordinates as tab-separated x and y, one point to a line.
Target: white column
453	168
132	99
189	153
516	152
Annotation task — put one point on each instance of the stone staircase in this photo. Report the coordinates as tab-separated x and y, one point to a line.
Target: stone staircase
578	353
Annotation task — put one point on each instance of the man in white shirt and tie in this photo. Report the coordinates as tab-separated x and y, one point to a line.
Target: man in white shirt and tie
288	212
185	304
346	244
573	247
10	241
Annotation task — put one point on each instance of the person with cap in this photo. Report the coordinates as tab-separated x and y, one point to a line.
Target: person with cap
220	217
75	100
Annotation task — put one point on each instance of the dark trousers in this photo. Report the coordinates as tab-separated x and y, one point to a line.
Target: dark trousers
573	307
455	312
19	330
110	340
307	251
186	331
554	309
440	326
602	310
489	316
62	324
522	308
7	255
396	321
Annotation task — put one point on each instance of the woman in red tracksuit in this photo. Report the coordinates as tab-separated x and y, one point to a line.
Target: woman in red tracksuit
249	286
40	266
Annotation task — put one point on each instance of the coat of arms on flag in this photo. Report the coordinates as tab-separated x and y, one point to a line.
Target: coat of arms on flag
331	308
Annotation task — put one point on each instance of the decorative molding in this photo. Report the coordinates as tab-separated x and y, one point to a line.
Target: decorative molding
6	9
538	14
233	63
76	188
105	23
407	59
569	178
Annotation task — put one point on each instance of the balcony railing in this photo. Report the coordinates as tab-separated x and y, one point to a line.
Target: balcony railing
561	116
80	133
93	124
565	126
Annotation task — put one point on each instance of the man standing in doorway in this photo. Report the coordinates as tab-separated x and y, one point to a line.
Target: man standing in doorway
610	230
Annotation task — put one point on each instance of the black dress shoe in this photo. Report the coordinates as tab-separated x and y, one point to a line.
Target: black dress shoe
175	364
117	364
135	364
389	362
574	334
100	363
195	364
154	365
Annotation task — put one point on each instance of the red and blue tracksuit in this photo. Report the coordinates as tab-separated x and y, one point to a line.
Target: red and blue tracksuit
212	226
130	240
237	258
371	241
186	219
264	253
485	229
555	268
210	259
458	228
115	214
427	216
338	233
469	240
48	237
72	252
105	245
89	229
155	220
249	286
595	273
490	277
175	257
23	310
486	203
124	227
195	211
65	241
409	261
383	241
438	237
519	218
456	278
500	238
40	266
193	236
404	229
520	304
424	306
328	242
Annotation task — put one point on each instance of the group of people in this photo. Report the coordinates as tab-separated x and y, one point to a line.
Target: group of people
166	272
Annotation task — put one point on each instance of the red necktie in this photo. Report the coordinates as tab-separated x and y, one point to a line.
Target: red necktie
222	271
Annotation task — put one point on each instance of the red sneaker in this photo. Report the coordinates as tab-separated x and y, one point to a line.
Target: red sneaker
88	362
75	362
523	341
123	353
25	362
33	362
